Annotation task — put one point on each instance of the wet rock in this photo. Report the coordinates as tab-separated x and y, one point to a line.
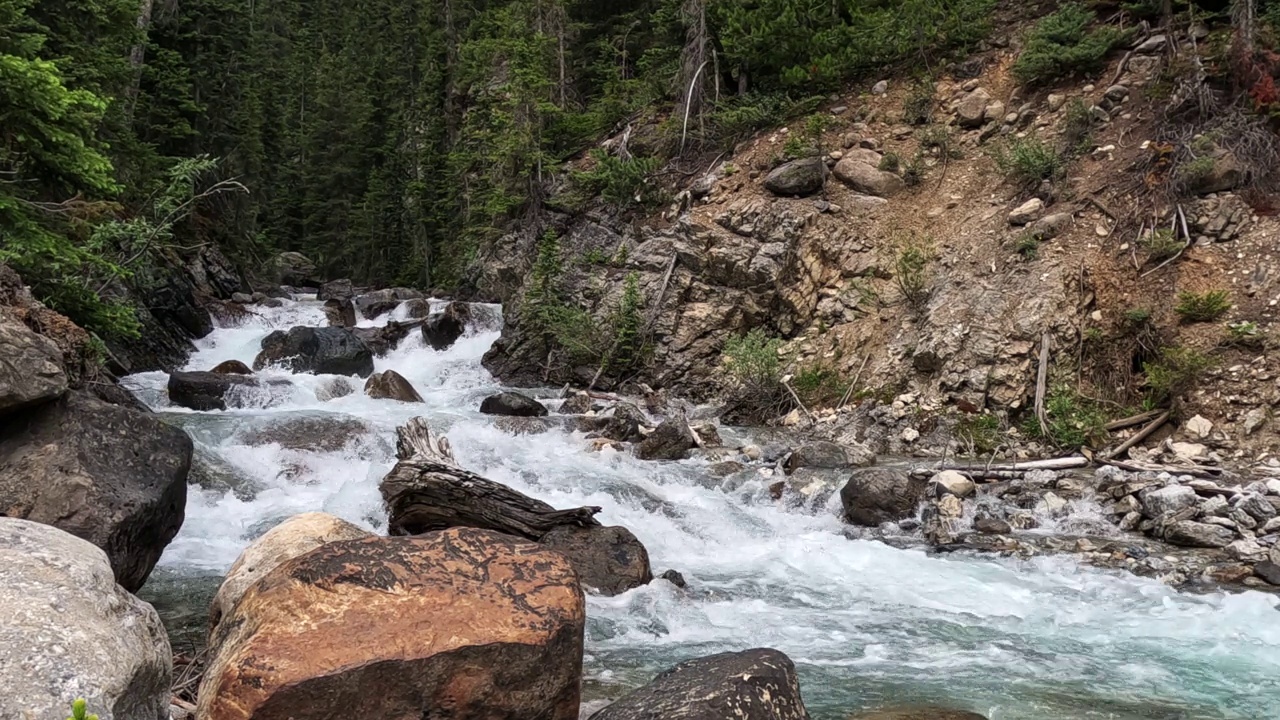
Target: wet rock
917	712
708	435
824	454
675	578
725	468
1161	501
797	178
391	385
334	388
340	313
868	179
971	110
30	368
578	403
293	268
1188	533
671	440
759	684
950	482
1268	571
513	404
319	351
340	290
384	339
243	298
206	390
521	425
992	526
379	302
1027	212
292	538
876	495
417	309
443	329
324	433
112	475
231	367
70	631
608	560
496	625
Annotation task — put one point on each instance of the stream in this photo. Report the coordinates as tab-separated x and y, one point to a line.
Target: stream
866	624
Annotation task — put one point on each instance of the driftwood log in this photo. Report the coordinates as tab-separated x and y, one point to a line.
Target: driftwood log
427	491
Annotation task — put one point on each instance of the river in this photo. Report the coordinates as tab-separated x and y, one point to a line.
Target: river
867	624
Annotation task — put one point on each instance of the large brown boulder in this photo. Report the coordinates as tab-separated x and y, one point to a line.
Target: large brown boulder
758	684
294	268
671	440
514	404
296	536
867	179
30	368
391	385
608	560
210	390
112	475
443	329
340	313
320	351
231	367
877	495
461	624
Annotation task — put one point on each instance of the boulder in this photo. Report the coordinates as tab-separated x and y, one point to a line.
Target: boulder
384	339
391	385
708	435
1188	533
30	368
242	298
292	268
1050	226
1257	507
798	177
443	329
950	482
608	560
578	403
69	631
379	302
324	433
824	454
109	474
868	179
758	684
340	313
207	390
1027	212
672	440
1268	571
319	351
917	712
231	367
876	495
417	309
334	388
971	110
1156	502
292	538
514	404
464	623
340	290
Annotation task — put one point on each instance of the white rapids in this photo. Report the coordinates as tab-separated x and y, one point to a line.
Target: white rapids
866	624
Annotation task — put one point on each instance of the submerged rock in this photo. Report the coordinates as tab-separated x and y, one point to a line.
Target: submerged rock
384	339
70	631
514	404
325	433
671	440
521	425
476	622
379	302
824	454
206	391
112	475
391	385
876	495
443	329
608	560
30	368
758	684
917	712
320	351
231	367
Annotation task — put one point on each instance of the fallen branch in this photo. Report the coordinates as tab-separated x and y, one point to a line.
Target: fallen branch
1042	381
1123	423
796	397
1062	463
854	383
1142	435
1201	472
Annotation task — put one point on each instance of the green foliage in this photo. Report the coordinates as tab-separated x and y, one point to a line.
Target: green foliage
79	711
820	385
913	173
1195	171
983	432
622	182
1161	244
1064	43
1077	126
1072	420
938	138
798	146
1174	372
911	274
1207	306
1246	334
1137	317
917	108
568	333
1027	161
629	348
1028	246
889	162
753	358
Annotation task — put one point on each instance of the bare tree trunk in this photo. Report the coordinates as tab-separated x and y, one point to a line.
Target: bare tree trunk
693	60
138	55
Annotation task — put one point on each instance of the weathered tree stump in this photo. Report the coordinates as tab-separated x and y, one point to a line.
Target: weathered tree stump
427	491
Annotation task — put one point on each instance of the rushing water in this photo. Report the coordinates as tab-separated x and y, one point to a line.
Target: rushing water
866	624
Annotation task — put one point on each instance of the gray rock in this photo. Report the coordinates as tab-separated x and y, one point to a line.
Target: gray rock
1056	101
1050	226
70	631
917	712
607	560
1158	502
379	302
207	390
758	684
319	351
578	403
1216	505
671	440
1188	533
798	177
1246	551
876	495
30	368
391	385
880	88
1226	173
1116	93
340	290
992	526
950	482
384	339
1269	571
725	468
971	110
417	308
1257	506
443	329
675	578
242	298
292	268
340	313
1254	420
109	474
231	367
512	404
1027	212
868	179
1151	45
824	454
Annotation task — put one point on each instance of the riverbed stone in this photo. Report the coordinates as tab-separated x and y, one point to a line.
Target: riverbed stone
30	368
1158	502
608	560
292	538
231	367
1188	533
1257	506
206	391
340	313
1269	571
318	351
380	302
321	433
951	482
391	385
113	475
443	329
825	454
671	440
69	631
477	624
877	495
514	404
758	684
341	290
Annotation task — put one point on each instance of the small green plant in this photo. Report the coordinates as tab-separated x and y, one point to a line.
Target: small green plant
939	138
594	256
753	358
1174	372
1245	334
1137	317
890	162
914	172
1028	246
1195	171
1161	244
1028	161
820	385
917	109
911	263
629	348
1077	126
1072	420
982	431
1063	43
1207	306
730	169
797	146
79	711
622	182
1093	334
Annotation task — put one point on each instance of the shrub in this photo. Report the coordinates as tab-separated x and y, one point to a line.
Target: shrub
1174	372
622	182
629	347
752	362
1161	244
820	385
1028	160
79	711
982	432
1246	334
1195	171
890	162
1062	43
1028	246
938	137
917	109
1077	126
1072	421
911	264
1137	317
568	332
914	172
798	146
1203	307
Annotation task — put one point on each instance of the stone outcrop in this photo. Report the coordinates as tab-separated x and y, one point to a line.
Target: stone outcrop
443	329
513	404
608	560
70	631
320	351
380	302
112	475
758	684
30	368
877	495
391	385
671	440
496	625
826	454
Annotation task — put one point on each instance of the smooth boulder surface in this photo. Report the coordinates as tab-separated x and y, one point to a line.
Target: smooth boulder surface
514	404
671	440
759	684
868	179
320	351
463	624
206	390
296	536
293	268
443	329
877	495
798	177
69	631
608	560
340	290
825	454
380	302
109	474
232	367
391	385
1188	533
30	368
384	339
340	313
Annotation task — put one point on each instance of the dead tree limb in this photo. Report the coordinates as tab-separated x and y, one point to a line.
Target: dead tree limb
1123	423
427	491
1142	435
1042	381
